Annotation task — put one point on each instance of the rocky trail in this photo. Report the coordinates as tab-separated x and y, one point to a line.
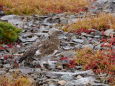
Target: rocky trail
38	28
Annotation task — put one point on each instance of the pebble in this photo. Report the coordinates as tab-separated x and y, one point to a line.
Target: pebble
79	76
62	82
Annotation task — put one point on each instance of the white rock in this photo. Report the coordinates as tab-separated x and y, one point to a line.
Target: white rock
78	40
109	32
79	77
82	81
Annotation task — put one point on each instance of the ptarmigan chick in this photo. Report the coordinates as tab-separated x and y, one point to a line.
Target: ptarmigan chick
43	50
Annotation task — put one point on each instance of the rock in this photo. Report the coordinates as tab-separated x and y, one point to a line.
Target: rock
102	1
67	77
63	21
88	46
62	37
87	72
78	40
78	46
52	84
2	72
28	38
62	82
67	47
59	66
97	36
2	13
99	84
81	81
98	47
69	53
26	70
79	77
7	66
109	32
15	20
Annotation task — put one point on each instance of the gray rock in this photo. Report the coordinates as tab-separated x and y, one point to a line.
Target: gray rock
28	39
98	47
15	20
52	84
78	40
100	84
81	81
67	77
2	72
63	21
2	13
7	66
68	53
97	36
67	47
88	46
109	32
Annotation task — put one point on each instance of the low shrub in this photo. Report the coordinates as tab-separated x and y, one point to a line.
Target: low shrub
8	32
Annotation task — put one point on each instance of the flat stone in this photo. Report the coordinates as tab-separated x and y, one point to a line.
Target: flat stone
67	77
2	72
81	81
109	32
88	46
78	40
62	82
7	66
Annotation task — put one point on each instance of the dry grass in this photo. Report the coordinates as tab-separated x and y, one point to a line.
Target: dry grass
100	22
15	80
43	6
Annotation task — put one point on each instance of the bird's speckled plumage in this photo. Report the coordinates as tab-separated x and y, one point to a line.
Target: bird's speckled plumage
46	47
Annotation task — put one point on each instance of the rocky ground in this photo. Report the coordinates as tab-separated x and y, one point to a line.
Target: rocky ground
37	28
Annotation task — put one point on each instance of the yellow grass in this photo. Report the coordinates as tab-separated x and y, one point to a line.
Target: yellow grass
15	80
100	22
43	6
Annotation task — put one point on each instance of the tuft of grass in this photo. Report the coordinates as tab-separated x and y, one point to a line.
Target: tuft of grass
6	80
8	32
43	6
100	22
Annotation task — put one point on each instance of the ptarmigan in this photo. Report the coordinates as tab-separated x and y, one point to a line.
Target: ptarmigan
43	50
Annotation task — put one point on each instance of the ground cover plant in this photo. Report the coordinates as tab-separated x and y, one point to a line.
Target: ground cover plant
101	61
43	6
100	22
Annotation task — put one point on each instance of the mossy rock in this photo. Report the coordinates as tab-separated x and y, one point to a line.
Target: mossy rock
8	32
